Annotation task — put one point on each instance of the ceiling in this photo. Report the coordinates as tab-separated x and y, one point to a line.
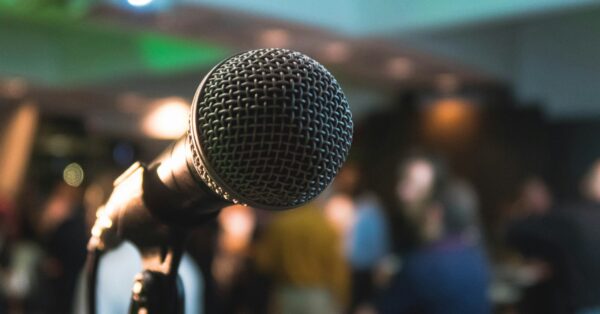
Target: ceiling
100	59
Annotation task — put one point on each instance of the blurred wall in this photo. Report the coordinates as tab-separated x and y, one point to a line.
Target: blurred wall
550	61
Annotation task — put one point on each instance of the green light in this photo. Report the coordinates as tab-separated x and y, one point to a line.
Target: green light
55	49
164	54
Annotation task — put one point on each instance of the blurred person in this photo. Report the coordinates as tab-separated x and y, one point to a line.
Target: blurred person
22	255
202	246
240	288
236	226
6	226
19	282
339	203
404	197
61	227
301	252
588	238
8	220
446	270
348	180
534	198
357	215
368	246
565	242
339	210
533	274
419	177
590	186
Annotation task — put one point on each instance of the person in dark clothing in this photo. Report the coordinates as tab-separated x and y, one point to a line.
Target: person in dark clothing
239	286
537	238
62	229
566	239
449	276
66	257
542	290
448	271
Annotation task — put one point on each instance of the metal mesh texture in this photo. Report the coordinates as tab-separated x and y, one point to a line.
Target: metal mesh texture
273	126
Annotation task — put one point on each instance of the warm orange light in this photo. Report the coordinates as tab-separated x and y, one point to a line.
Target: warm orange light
167	119
451	119
449	113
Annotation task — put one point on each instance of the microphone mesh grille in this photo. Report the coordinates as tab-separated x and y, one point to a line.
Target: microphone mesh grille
274	128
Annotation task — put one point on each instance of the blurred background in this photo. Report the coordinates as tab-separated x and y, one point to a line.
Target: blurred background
473	183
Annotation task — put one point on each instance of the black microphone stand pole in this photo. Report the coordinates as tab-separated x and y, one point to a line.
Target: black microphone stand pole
158	288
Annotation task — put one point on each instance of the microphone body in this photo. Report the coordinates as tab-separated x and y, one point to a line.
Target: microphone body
269	128
148	201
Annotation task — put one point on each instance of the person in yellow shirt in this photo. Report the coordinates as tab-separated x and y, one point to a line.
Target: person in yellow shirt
302	253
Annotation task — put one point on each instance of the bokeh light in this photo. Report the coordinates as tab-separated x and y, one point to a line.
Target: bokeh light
73	174
139	3
451	120
167	119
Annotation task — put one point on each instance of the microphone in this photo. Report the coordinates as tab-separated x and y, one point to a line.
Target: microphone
268	128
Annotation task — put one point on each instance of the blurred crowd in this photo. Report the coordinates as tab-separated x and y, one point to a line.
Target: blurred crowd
408	243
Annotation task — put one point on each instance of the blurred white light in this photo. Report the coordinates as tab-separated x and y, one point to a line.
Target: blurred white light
139	3
336	52
168	119
73	174
399	68
416	181
276	38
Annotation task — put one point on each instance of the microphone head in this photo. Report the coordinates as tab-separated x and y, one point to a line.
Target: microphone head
269	128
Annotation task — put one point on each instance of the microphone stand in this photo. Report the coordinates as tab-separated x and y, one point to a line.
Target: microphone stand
158	288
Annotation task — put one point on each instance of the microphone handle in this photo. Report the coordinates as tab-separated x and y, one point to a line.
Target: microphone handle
174	192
